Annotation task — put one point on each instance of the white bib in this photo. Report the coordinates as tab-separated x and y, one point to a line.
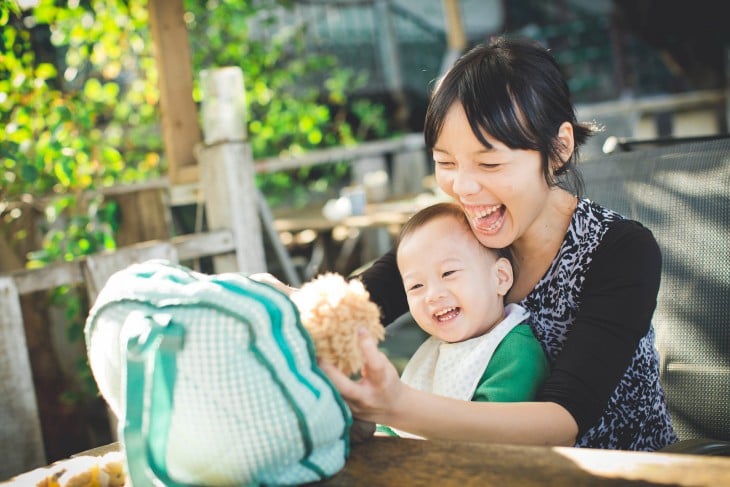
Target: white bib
454	369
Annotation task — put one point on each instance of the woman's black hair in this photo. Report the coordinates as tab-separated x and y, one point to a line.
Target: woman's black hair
514	90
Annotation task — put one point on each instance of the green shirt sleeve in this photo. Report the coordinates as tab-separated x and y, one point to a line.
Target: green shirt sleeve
516	371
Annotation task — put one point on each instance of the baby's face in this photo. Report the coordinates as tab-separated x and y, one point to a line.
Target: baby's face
454	285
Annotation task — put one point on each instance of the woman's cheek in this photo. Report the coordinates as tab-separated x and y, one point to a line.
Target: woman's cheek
445	181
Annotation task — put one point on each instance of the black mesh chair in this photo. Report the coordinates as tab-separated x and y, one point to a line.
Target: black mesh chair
682	193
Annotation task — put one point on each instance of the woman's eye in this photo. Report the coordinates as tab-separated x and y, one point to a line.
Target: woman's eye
489	166
444	163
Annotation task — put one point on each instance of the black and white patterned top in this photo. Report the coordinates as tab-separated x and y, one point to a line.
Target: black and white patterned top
591	312
600	292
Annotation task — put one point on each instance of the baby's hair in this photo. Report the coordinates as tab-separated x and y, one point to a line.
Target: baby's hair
438	210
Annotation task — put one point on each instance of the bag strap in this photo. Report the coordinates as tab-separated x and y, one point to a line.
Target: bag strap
151	370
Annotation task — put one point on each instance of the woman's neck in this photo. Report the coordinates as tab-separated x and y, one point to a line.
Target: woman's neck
534	251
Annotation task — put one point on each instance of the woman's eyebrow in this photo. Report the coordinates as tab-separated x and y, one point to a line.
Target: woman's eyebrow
484	150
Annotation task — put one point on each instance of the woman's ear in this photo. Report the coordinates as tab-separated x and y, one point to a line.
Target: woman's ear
505	276
566	144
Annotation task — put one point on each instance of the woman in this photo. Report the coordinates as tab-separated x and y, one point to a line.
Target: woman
504	137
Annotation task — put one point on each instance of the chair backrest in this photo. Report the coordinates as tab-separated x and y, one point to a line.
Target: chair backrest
682	194
97	268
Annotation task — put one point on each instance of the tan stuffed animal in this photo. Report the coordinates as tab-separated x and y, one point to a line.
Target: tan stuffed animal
332	309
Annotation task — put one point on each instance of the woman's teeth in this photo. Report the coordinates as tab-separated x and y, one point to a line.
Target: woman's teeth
486	218
484	211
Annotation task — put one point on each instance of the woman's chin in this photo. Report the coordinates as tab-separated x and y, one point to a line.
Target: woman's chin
492	240
494	237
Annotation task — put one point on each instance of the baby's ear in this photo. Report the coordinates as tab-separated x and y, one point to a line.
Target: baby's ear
505	276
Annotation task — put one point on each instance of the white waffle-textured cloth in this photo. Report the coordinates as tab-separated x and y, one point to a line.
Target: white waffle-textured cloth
213	380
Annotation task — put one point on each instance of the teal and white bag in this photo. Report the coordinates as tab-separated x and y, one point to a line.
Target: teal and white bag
213	381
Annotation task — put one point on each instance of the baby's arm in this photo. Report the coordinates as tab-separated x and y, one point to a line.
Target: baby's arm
382	398
517	370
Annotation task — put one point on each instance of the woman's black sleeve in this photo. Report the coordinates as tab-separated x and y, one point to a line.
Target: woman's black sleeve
383	282
615	310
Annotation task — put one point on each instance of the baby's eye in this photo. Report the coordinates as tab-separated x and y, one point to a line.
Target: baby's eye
414	287
488	166
448	273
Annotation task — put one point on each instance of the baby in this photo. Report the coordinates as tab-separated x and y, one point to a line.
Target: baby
479	350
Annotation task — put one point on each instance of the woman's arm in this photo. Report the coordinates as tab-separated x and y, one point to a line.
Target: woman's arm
380	396
385	286
617	303
381	279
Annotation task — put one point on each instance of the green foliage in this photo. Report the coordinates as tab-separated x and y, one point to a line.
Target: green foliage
295	100
80	112
79	107
79	103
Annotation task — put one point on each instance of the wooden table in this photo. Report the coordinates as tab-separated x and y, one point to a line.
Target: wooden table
402	462
394	212
389	461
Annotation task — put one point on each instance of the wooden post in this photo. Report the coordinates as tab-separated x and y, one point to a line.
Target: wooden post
227	173
21	439
145	216
387	41
180	129
455	36
388	46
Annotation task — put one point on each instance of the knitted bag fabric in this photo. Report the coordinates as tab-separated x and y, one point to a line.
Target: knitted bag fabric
213	380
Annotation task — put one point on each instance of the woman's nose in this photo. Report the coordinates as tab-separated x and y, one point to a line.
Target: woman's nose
464	183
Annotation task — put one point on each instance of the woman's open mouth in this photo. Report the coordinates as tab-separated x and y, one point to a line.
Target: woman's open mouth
487	219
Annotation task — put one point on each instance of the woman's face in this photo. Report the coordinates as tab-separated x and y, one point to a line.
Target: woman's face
502	191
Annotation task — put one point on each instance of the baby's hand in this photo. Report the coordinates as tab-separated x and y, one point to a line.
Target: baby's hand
372	397
269	279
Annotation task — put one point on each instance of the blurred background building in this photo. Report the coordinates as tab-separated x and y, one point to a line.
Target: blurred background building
656	67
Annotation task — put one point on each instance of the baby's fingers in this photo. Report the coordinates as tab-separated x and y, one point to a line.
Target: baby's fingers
342	383
375	362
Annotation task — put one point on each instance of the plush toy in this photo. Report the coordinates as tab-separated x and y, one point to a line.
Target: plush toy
332	309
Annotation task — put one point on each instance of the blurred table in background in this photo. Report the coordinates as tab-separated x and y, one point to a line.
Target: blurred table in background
345	244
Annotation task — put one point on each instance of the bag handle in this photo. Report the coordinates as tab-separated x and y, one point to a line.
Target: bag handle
151	371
